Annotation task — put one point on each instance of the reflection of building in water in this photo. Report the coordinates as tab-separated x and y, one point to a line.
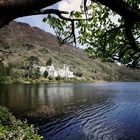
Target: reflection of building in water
51	95
42	94
59	94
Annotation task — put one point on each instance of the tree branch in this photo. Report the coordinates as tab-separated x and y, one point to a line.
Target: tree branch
122	8
104	37
59	14
11	9
130	37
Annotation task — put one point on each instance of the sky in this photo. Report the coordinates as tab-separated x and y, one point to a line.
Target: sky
65	5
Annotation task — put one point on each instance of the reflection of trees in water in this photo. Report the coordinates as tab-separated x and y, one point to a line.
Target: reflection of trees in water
10	95
71	98
61	97
20	96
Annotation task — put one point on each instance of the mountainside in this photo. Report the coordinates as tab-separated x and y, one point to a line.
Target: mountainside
26	42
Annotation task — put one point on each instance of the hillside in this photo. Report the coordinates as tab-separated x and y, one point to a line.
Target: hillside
26	41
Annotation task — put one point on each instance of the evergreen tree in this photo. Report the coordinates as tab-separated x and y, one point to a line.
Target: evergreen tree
49	62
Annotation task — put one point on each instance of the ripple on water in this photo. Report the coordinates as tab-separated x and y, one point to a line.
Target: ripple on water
89	122
96	123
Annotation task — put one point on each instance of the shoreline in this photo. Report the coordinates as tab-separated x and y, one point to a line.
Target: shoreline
47	81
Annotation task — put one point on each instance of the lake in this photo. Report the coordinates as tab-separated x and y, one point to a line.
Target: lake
86	111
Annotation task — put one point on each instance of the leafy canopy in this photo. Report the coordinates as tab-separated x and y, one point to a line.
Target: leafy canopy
108	35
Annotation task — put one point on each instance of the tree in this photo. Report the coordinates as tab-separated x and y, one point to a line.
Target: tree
46	74
49	62
33	60
110	41
36	73
126	36
3	73
12	9
29	67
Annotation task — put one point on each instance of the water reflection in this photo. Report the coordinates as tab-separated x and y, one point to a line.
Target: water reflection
102	111
27	97
59	94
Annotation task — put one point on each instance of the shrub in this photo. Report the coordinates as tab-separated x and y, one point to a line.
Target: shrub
36	73
50	78
2	73
45	74
49	62
58	78
12	128
2	78
28	46
79	74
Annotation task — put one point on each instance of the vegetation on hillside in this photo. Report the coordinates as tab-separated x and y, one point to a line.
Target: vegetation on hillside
47	50
2	73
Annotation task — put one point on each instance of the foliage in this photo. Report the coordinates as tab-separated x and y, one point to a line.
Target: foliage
45	74
2	73
79	74
36	73
50	78
32	72
32	60
2	78
110	40
58	78
49	62
58	24
29	47
12	128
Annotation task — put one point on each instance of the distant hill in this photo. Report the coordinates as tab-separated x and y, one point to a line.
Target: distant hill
26	41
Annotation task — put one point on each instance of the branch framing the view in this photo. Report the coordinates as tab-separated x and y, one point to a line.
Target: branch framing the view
128	10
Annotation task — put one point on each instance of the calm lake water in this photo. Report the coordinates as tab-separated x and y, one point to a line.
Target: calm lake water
87	111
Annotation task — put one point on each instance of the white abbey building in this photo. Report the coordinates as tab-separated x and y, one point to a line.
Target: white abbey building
54	72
